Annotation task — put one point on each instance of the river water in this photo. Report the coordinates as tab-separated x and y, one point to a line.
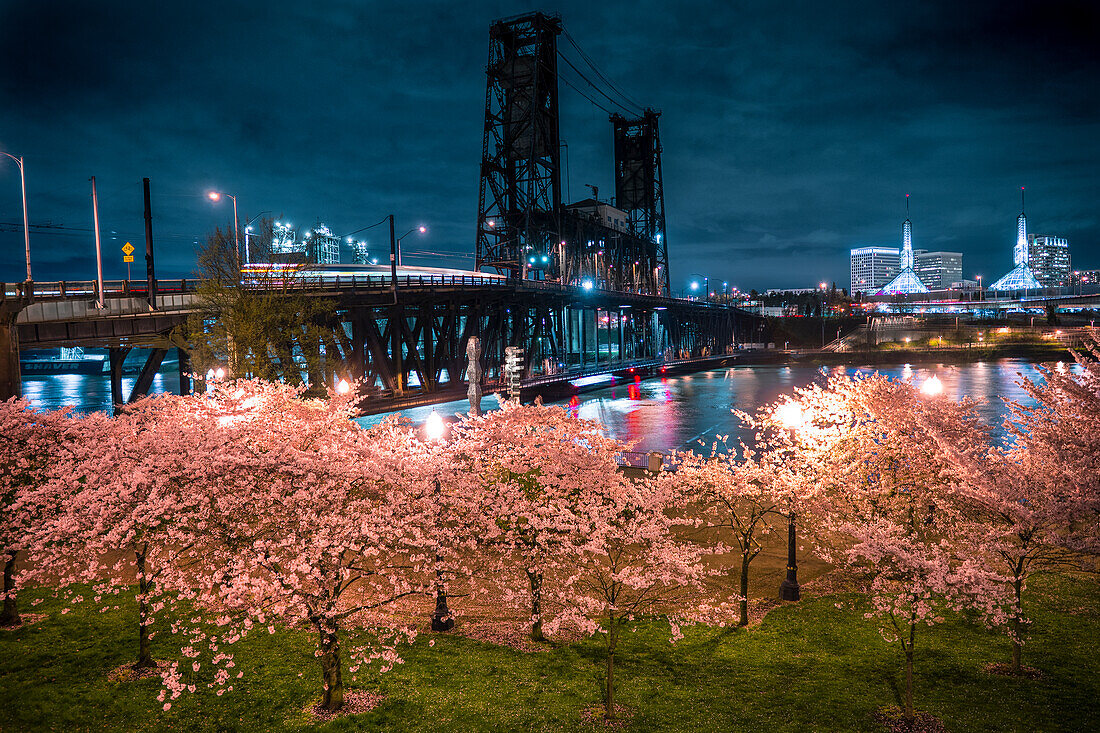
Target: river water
673	413
676	413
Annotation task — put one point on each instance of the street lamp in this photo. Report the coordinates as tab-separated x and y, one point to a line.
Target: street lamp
932	386
26	226
792	417
216	196
442	619
822	286
422	229
247	231
706	283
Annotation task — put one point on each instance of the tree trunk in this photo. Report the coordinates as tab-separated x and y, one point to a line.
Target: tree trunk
331	672
909	713
744	589
535	579
1017	627
609	698
145	657
10	614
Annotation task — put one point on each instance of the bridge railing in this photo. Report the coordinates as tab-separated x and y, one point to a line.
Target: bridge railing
326	282
90	288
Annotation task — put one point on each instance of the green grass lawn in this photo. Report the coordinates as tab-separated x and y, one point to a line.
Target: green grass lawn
810	666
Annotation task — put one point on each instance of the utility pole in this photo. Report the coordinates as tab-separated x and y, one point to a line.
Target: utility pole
396	320
152	285
98	250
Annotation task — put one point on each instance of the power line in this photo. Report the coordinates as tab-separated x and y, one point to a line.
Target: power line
589	82
578	91
592	65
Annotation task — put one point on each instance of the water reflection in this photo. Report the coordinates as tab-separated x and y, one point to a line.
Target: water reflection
660	414
86	392
688	411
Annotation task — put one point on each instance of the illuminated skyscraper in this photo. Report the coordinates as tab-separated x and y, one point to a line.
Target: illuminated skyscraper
872	267
1048	258
906	280
937	270
1020	277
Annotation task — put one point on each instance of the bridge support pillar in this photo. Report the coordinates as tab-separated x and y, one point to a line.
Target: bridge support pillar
148	373
184	371
11	384
117	355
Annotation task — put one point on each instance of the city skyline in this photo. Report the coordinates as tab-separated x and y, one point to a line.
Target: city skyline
776	162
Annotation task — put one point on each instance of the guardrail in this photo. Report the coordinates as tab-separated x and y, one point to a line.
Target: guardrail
319	283
652	461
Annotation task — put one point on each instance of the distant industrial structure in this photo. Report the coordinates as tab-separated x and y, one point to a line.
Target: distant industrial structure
524	228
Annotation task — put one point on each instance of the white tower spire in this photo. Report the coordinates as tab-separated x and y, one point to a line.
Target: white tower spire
906	262
906	280
1019	252
1020	276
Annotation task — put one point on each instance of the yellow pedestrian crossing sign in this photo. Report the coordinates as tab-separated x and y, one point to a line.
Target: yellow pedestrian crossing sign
128	250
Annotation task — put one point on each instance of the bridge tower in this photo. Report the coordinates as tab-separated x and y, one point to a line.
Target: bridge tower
520	194
639	190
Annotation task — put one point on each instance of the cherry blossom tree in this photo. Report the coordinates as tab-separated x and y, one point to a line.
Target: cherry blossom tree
627	560
526	469
1060	434
740	497
1029	507
892	514
315	526
30	442
132	498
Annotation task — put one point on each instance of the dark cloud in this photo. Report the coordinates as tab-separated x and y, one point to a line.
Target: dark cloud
791	131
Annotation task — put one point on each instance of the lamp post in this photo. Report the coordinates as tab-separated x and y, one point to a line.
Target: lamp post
216	196
247	231
792	417
822	287
422	229
442	620
706	283
26	225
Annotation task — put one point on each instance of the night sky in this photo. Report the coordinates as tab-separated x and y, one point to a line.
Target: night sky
792	131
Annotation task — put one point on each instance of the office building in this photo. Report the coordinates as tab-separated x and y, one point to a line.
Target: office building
872	267
1048	258
937	270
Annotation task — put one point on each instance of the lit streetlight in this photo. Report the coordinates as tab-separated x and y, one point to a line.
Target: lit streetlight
442	619
792	417
422	229
932	386
343	387
216	196
706	283
26	225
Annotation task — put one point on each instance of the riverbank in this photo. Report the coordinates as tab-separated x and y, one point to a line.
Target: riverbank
1034	352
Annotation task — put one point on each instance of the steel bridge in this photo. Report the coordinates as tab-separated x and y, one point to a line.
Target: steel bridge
399	341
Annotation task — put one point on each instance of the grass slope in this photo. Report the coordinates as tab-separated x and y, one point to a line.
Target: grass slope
810	666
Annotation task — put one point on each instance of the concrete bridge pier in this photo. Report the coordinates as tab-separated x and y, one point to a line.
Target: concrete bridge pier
11	384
